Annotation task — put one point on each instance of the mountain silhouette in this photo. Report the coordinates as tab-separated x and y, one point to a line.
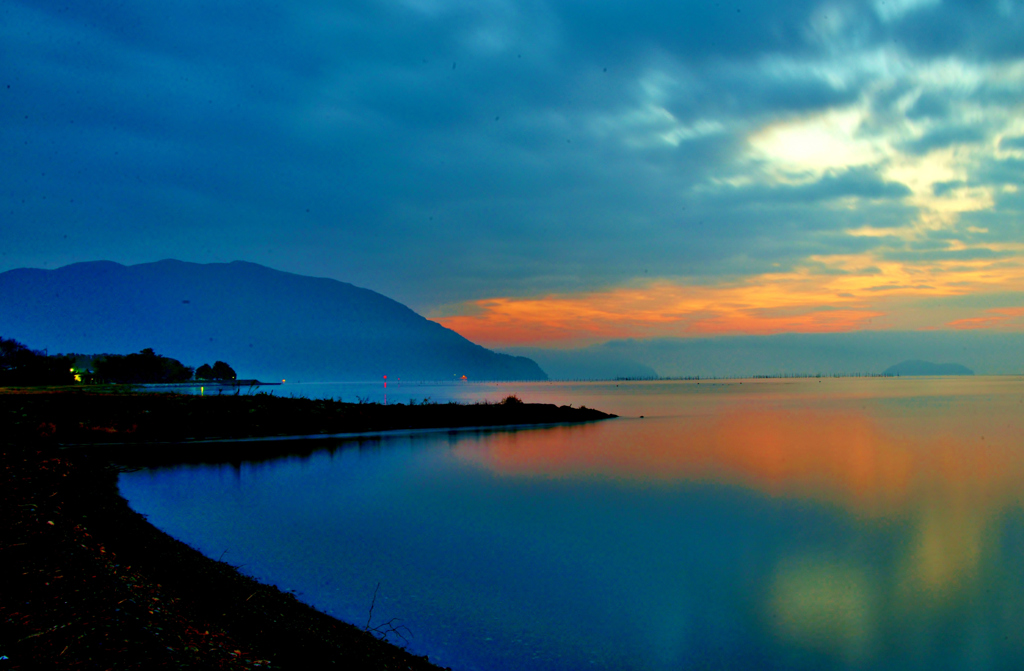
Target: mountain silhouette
918	367
266	323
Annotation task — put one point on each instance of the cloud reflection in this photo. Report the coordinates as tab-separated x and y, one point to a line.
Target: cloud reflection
871	465
943	470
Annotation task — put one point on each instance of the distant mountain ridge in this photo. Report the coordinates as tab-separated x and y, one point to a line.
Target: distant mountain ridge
264	322
918	367
591	363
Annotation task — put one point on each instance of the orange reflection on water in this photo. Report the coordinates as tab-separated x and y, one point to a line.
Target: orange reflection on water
942	466
868	464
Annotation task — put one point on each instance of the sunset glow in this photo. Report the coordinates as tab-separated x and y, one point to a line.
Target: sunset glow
836	294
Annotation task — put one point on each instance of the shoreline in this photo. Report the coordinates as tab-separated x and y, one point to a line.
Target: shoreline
94	585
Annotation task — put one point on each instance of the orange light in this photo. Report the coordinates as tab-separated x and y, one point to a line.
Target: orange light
836	293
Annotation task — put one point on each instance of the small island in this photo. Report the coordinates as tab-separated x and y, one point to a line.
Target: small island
91	584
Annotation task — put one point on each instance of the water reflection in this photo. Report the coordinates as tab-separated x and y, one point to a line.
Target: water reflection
774	527
948	470
848	457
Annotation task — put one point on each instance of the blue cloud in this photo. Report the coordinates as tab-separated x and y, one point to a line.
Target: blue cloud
943	138
1016	142
445	151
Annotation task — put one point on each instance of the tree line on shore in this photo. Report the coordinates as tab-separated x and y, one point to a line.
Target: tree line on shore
22	366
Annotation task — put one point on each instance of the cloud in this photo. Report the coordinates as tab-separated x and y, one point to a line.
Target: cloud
929	105
858	297
1012	143
987	29
993	318
941	139
854	183
454	153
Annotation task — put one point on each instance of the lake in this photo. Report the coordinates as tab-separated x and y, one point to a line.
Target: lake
867	523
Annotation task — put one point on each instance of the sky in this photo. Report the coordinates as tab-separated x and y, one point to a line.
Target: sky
542	173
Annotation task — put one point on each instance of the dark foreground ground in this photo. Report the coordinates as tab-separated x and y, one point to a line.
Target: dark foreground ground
86	583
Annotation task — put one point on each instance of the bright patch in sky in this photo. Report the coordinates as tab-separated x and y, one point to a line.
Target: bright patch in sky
815	144
892	10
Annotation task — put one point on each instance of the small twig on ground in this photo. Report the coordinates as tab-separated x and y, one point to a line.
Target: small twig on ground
390	627
372	603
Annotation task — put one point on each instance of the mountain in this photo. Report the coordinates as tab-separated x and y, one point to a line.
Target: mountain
918	367
590	363
265	323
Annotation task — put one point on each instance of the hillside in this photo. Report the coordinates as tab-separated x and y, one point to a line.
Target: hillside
266	323
590	363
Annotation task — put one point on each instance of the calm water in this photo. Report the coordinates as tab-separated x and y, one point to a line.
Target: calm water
840	524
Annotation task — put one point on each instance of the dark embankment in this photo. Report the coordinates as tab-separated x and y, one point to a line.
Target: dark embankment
88	583
147	428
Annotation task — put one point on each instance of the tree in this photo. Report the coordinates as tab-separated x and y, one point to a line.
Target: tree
145	367
222	371
20	365
14	356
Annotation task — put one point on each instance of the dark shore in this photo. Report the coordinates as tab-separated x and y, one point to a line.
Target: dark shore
89	584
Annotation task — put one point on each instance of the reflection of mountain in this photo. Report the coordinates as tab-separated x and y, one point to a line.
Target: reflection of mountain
918	367
264	322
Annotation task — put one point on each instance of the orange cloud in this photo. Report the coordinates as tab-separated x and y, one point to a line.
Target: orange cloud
837	293
995	318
